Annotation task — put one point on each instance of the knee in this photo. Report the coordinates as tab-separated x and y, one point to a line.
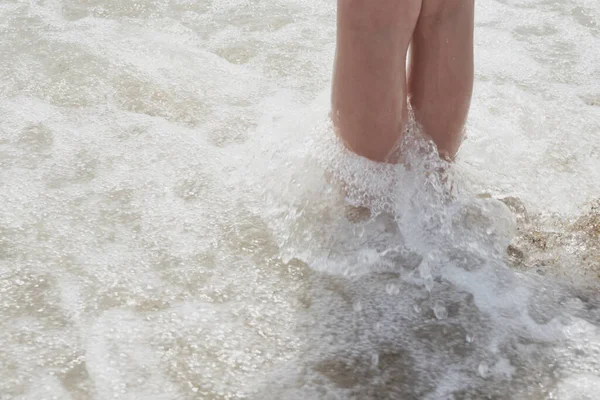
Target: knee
445	8
377	15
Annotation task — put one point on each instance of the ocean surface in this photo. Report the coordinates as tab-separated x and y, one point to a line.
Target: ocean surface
178	221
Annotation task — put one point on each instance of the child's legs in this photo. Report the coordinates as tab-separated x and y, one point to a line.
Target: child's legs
369	96
441	70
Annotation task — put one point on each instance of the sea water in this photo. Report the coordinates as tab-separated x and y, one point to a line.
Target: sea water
178	221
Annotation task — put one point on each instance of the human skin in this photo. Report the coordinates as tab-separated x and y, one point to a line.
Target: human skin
372	87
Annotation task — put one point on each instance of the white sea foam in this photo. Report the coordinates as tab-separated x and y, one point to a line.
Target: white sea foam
178	221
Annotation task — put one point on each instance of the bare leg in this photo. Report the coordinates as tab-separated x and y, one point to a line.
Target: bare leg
441	71
369	97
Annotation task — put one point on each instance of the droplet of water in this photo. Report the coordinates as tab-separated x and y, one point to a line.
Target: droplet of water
470	338
392	289
417	308
440	311
483	370
375	360
428	282
357	306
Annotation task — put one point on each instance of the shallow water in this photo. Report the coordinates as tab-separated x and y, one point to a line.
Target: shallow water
172	224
